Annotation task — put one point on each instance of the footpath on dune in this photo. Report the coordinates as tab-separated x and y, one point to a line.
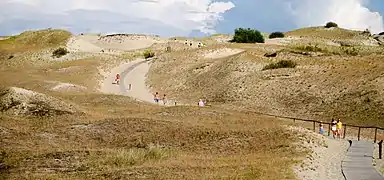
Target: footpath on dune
133	73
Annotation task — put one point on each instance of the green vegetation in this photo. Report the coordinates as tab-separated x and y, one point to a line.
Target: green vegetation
280	64
248	36
276	35
60	52
148	54
331	24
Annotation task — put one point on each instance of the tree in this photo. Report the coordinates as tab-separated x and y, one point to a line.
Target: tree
247	36
331	24
276	35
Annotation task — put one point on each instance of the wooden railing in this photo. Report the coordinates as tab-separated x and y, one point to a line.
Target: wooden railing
346	128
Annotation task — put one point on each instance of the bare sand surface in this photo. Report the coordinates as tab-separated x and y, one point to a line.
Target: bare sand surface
325	160
109	44
281	41
68	87
132	73
136	78
220	53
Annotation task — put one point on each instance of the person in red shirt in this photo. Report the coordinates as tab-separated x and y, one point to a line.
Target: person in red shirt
117	78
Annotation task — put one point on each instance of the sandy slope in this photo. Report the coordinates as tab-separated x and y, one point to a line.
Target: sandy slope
220	53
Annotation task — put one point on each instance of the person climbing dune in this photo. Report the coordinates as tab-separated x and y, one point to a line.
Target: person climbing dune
117	79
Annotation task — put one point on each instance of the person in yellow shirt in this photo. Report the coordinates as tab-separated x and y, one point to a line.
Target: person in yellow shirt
339	127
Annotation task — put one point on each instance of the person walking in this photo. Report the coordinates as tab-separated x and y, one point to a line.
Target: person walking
201	103
321	129
156	97
164	99
339	127
333	128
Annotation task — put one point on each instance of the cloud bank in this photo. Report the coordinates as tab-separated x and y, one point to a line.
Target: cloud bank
135	16
351	14
183	17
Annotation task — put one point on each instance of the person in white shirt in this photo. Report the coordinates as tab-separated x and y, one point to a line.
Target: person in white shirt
201	103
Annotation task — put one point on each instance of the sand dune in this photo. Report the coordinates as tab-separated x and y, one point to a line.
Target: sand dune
110	43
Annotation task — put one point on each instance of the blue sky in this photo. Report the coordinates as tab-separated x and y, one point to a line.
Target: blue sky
186	17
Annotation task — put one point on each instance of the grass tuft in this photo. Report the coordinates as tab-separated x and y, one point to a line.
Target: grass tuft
280	64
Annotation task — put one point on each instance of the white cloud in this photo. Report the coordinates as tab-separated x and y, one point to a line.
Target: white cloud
180	17
351	14
184	15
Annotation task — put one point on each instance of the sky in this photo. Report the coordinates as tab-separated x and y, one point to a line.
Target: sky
186	17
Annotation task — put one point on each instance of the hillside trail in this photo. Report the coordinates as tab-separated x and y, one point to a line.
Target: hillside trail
133	73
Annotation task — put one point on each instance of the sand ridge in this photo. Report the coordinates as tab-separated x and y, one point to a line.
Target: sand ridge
110	43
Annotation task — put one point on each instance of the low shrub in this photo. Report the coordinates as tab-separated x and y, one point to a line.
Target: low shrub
331	24
148	54
60	52
276	35
309	48
351	51
247	36
280	64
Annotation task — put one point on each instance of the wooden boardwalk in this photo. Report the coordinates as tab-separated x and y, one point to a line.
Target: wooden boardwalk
357	164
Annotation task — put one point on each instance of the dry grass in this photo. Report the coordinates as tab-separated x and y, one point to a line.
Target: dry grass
322	86
120	138
327	33
34	40
16	51
337	50
190	143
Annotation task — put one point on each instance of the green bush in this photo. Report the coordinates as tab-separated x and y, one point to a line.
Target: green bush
280	64
148	54
247	36
331	24
60	52
276	35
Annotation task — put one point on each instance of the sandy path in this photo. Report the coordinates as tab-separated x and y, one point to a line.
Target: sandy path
136	76
325	160
133	73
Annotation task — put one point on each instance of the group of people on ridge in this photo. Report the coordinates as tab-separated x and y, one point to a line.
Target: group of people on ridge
156	98
336	128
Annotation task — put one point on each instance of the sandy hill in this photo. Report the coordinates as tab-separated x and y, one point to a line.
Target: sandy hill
91	128
329	81
18	101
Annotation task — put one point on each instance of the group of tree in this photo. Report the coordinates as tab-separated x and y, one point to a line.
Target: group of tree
248	35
